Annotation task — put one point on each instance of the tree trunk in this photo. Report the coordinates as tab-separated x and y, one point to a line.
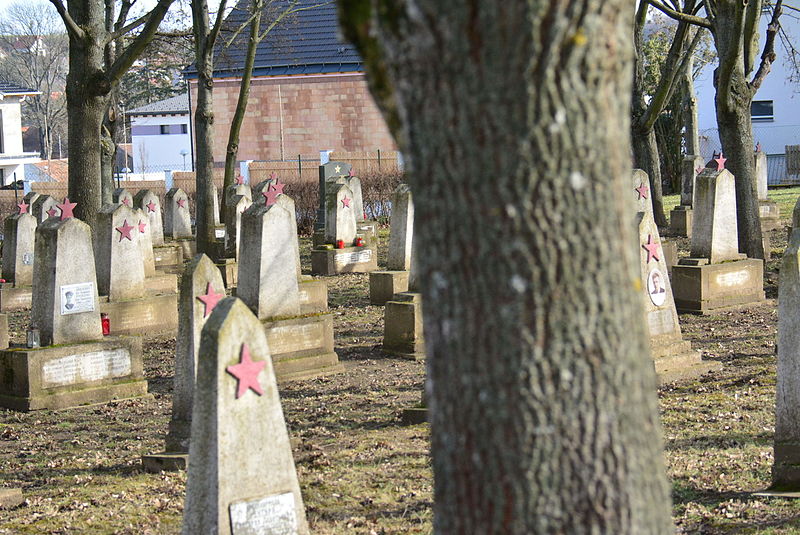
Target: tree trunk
691	135
646	158
542	392
107	152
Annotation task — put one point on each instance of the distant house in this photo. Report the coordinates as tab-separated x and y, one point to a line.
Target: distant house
160	136
12	157
775	113
309	92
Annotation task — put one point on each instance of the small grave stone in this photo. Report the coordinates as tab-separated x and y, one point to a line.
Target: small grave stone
268	279
340	219
641	188
18	249
215	200
10	498
401	229
681	218
237	204
327	172
120	268
123	196
151	205
44	207
145	242
240	189
768	211
714	234
241	478
760	158
64	307
263	186
786	463
30	199
177	221
354	183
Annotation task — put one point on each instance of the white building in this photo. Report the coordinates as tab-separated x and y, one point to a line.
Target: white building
776	107
12	157
160	136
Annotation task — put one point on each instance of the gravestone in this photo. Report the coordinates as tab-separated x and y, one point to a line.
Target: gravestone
177	221
769	212
263	186
10	498
122	196
641	189
786	463
681	218
30	199
120	268
145	242
44	207
384	284
18	249
240	189
716	275
201	288
215	201
151	205
327	172
241	478
237	204
64	307
268	280
340	218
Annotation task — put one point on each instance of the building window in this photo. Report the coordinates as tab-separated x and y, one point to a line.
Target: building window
164	129
184	129
761	110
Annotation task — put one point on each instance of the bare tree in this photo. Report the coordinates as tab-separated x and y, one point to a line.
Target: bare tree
734	25
542	393
35	48
102	47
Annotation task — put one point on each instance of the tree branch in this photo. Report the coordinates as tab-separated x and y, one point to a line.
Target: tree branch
72	27
680	16
286	13
127	28
768	55
126	58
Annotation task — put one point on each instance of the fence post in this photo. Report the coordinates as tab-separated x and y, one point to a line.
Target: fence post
299	168
379	160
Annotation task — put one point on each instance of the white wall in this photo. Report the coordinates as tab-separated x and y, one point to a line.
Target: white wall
156	152
12	125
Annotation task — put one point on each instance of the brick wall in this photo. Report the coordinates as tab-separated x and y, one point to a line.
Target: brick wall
287	116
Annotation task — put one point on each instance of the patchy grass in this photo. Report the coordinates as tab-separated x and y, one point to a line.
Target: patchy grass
360	471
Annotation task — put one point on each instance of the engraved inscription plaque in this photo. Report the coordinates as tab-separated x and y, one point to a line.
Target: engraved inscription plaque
359	257
273	515
77	298
219	233
87	367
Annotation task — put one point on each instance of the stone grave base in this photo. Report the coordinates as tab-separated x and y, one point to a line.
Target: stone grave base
147	315
14	298
3	331
702	288
414	416
161	283
313	296
384	284
64	376
770	215
670	250
347	260
676	360
10	498
165	462
318	238
168	255
229	269
680	221
402	331
302	346
369	231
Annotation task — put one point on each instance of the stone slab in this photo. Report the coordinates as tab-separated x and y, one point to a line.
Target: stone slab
148	315
670	250
770	215
414	416
347	260
403	331
10	498
187	246
680	221
229	269
165	462
71	375
384	284
313	296
161	283
302	347
168	255
702	289
14	298
3	331
778	494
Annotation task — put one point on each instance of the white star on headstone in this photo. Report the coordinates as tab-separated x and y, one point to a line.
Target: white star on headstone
338	168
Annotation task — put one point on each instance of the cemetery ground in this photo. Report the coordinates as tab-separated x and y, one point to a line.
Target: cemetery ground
360	471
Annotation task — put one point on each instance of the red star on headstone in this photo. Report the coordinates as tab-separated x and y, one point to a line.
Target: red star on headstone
126	201
125	231
23	207
247	373
66	208
142	226
51	212
277	186
699	169
151	206
345	203
352	173
271	196
181	202
239	180
642	190
273	175
210	299
652	249
758	147
720	162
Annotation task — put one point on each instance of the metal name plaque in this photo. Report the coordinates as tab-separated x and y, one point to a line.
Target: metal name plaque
273	515
86	367
219	232
360	257
77	298
27	259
